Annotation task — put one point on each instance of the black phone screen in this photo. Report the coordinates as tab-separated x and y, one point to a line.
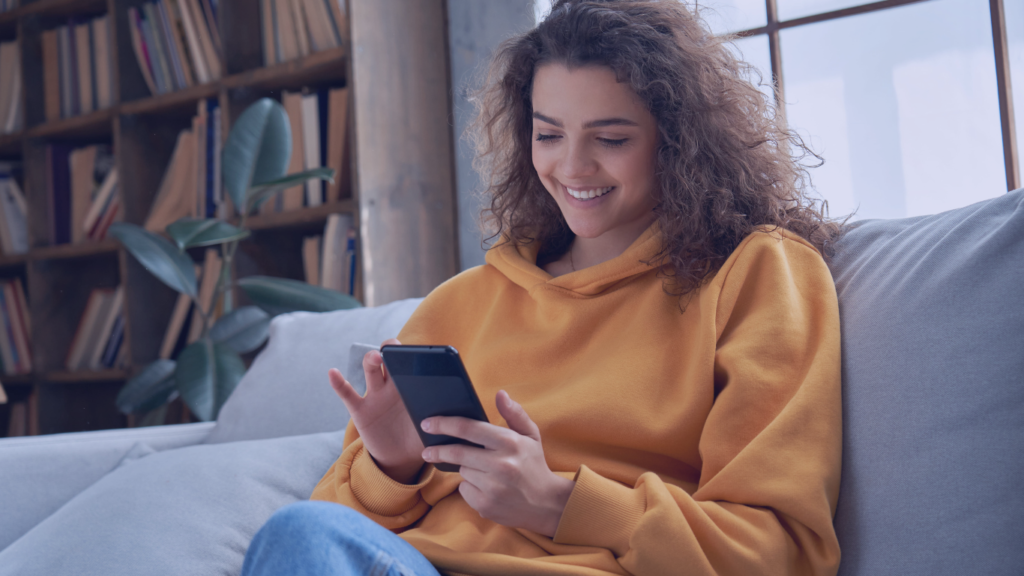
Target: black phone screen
432	381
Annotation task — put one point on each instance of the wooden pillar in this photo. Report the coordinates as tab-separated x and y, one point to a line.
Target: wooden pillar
403	147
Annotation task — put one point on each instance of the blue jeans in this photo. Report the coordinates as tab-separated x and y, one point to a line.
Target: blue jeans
323	538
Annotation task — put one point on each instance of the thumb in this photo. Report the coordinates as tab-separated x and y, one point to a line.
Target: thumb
517	418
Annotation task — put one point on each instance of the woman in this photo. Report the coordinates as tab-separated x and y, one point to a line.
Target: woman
656	325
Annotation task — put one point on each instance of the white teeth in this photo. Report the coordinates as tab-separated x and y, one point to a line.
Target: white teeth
588	194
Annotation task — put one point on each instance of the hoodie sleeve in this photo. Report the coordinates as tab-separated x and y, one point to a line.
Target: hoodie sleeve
356	481
770	447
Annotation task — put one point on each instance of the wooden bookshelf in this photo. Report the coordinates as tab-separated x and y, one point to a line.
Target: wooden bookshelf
400	184
142	129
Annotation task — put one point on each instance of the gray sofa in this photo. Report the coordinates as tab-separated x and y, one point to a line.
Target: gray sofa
933	391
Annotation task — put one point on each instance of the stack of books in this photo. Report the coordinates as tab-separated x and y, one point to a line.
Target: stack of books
294	28
82	191
13	213
98	340
12	115
329	260
192	184
318	123
176	43
186	324
15	329
77	68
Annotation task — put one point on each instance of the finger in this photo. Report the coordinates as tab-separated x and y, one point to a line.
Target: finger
373	364
477	432
460	455
343	389
516	418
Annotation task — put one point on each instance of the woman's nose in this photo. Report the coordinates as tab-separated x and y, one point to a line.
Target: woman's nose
577	162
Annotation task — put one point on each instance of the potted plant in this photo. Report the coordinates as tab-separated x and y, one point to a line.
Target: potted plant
204	374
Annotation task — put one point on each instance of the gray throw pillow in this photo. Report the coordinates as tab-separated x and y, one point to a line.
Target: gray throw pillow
932	319
286	391
187	511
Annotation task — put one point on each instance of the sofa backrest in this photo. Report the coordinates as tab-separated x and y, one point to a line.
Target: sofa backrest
286	391
932	319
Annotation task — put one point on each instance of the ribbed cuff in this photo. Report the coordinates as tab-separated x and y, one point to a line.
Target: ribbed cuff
600	512
378	492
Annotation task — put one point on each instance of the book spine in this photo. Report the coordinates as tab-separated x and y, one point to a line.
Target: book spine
8	328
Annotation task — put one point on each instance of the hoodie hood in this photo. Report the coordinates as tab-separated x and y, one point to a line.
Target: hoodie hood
519	264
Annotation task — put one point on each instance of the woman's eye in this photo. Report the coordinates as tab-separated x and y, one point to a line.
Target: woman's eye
613	143
545	137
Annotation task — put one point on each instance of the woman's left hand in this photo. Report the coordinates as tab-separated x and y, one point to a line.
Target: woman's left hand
508	480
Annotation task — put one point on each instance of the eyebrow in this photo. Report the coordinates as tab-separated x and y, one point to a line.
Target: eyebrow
592	124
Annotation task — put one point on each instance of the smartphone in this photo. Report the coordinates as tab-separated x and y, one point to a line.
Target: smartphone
433	382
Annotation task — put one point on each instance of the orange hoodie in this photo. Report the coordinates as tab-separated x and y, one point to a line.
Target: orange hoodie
702	442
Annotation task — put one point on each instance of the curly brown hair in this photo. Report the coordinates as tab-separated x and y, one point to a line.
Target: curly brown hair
725	160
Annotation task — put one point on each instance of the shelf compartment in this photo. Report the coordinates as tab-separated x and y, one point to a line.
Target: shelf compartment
326	66
303	217
79	250
171	100
62	7
10	144
91	125
13	380
11	260
85	376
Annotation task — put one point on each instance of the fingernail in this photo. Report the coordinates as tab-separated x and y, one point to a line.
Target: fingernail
427	425
428	455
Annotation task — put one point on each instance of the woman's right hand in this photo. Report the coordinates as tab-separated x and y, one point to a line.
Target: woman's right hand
381	419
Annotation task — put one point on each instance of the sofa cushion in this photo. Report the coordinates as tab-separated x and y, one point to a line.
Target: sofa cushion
187	511
34	470
932	319
286	392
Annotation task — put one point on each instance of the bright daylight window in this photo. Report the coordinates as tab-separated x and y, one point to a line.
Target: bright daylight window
900	97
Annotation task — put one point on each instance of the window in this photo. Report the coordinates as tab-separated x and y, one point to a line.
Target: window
904	99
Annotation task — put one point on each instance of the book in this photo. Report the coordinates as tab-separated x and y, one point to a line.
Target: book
19	330
98	346
141	52
114	344
13	217
101	203
311	259
96	307
176	323
10	81
67	86
292	102
82	164
157	58
311	147
211	57
186	52
17	348
170	45
207	292
51	75
286	33
3	397
8	354
334	268
269	40
301	31
338	21
210	13
351	253
337	143
202	69
199	190
175	197
101	50
83	67
19	294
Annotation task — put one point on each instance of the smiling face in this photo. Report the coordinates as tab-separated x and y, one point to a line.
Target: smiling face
594	145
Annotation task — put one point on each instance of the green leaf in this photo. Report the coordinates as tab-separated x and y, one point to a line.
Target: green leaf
243	330
207	374
161	258
189	232
280	295
257	150
149	389
259	194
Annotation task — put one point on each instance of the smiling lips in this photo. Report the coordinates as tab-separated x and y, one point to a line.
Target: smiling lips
588	194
